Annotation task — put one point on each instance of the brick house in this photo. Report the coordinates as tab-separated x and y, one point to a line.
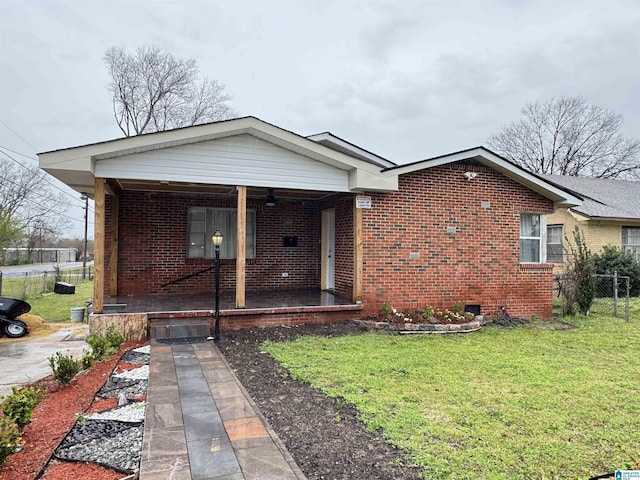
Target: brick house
303	213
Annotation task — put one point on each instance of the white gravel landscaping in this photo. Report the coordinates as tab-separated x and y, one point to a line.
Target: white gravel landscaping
132	412
140	373
146	349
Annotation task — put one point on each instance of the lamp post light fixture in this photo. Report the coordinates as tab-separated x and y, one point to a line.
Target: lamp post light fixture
216	238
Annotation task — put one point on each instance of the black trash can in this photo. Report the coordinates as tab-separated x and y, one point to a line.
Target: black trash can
64	287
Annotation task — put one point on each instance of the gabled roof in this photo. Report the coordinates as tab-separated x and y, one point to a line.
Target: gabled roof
484	156
604	198
357	170
76	166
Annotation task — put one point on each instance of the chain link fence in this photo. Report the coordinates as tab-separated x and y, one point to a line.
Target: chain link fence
611	296
29	284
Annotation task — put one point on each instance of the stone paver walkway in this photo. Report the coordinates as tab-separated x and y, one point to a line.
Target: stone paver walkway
202	425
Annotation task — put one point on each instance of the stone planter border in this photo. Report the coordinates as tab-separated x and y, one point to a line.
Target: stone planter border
424	328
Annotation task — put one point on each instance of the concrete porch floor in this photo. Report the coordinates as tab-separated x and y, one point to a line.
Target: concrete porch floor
205	301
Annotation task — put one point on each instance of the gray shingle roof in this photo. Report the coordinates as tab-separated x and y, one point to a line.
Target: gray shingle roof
603	198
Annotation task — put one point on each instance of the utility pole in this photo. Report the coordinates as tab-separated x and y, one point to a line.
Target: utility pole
84	197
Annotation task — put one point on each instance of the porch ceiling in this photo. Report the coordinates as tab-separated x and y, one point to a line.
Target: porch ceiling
252	192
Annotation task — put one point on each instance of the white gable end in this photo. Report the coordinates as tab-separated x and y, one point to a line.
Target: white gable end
236	160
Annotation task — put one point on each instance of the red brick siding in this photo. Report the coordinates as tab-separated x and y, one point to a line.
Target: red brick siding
152	245
107	240
478	264
237	322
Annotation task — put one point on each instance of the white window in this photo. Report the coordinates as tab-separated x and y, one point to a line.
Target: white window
631	241
203	222
555	250
532	245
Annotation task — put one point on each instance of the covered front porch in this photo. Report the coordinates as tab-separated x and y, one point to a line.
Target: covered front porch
297	249
268	300
192	315
286	206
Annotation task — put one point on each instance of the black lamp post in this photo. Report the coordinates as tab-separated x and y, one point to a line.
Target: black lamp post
217	241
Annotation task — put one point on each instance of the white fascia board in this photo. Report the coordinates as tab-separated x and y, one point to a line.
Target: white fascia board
311	149
152	141
77	173
246	125
560	198
326	136
75	158
57	161
361	181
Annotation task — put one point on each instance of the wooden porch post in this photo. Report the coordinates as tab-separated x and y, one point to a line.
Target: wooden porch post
357	252
241	246
98	247
113	257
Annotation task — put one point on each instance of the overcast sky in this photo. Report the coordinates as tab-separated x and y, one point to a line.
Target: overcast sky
405	79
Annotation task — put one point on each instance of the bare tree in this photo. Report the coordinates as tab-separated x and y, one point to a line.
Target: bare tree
27	201
153	91
568	136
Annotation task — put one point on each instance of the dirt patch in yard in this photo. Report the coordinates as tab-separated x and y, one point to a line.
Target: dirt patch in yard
39	328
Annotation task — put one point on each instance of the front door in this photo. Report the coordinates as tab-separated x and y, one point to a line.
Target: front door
328	249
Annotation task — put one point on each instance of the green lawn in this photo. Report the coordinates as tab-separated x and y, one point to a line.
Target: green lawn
34	284
54	307
542	401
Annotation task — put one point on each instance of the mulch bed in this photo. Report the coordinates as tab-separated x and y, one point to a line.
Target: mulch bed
52	419
304	418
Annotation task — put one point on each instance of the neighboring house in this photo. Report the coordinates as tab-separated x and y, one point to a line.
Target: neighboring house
608	215
311	212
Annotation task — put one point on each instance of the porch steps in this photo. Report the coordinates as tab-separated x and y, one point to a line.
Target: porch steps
173	325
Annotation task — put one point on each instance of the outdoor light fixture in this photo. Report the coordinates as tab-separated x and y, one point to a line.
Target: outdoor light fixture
216	238
270	201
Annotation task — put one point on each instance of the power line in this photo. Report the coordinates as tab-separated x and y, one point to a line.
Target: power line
16	134
28	156
34	158
18	153
56	213
45	179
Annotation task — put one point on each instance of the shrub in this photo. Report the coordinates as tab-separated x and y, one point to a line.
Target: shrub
115	337
579	286
19	406
87	359
64	368
101	346
9	439
458	308
612	259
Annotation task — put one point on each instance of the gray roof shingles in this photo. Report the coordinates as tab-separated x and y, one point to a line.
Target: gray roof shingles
603	198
